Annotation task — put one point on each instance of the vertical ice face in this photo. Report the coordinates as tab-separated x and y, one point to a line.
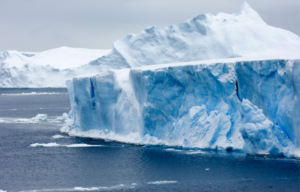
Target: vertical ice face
175	98
273	86
196	105
261	136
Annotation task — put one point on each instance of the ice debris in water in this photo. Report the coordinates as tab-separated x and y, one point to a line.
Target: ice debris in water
61	119
36	119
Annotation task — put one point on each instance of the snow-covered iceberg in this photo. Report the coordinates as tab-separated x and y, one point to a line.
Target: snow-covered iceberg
243	34
243	97
49	68
231	105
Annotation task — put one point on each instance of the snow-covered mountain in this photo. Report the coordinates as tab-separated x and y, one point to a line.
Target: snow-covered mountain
243	34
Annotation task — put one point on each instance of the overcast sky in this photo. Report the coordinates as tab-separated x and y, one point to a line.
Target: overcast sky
37	25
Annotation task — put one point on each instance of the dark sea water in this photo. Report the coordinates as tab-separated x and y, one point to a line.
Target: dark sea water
118	167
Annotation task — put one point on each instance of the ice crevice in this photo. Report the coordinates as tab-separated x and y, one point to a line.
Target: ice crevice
240	105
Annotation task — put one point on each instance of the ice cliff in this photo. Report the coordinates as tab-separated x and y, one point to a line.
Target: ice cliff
219	105
243	34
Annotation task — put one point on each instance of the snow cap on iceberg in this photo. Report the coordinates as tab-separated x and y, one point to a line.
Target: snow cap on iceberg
245	6
205	37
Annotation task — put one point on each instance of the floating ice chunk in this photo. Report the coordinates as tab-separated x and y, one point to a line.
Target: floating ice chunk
36	119
60	119
161	182
40	117
2	121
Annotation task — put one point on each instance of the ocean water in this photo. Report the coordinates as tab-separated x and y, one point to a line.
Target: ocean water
113	166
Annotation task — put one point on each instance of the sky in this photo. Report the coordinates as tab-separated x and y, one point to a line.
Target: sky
38	25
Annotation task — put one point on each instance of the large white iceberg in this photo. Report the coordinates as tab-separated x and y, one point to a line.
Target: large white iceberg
233	105
244	98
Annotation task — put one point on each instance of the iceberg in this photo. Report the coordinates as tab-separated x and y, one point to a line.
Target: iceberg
243	105
224	82
49	68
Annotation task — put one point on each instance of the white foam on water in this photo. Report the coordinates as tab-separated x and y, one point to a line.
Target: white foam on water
161	182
